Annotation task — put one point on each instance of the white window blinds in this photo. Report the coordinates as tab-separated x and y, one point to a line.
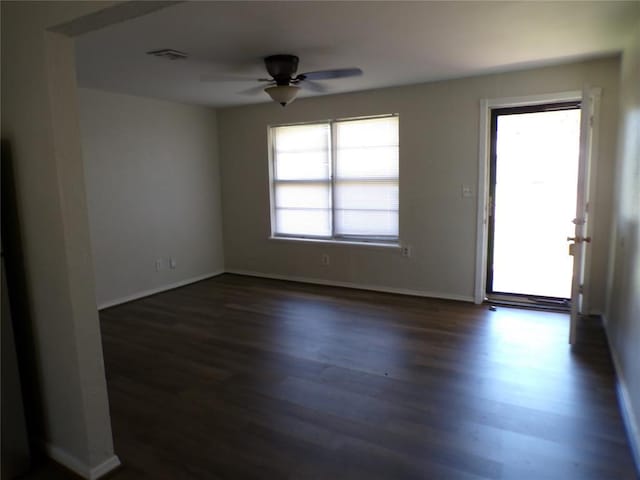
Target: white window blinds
336	179
302	180
366	178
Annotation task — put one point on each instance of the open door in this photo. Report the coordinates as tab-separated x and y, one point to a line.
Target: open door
533	185
581	240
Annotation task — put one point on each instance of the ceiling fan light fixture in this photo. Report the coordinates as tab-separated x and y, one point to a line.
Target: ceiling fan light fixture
283	94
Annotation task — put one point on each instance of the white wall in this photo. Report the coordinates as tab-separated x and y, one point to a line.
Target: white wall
153	192
439	125
66	381
623	305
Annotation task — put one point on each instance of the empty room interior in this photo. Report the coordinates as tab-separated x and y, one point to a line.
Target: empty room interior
314	240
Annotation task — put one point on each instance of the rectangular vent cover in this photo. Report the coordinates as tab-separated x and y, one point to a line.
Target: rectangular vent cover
168	53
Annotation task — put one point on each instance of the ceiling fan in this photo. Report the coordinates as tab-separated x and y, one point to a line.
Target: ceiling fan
284	84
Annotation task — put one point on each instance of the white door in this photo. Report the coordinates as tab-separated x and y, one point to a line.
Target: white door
580	241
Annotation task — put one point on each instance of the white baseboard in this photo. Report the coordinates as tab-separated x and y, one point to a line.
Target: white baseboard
316	281
359	286
630	422
105	467
153	291
85	471
628	416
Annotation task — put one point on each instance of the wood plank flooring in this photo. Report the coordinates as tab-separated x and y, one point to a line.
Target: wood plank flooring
245	378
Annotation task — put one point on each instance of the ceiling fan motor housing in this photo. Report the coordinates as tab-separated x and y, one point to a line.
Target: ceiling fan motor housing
282	68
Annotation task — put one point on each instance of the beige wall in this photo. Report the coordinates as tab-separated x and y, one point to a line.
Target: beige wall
40	126
439	124
623	305
153	192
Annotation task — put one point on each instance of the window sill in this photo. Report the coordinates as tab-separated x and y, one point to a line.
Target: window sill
322	241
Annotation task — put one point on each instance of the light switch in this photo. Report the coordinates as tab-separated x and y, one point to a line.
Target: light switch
467	191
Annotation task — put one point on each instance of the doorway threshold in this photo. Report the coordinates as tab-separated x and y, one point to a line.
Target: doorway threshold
528	301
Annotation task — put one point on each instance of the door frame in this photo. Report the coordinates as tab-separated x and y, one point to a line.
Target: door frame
484	144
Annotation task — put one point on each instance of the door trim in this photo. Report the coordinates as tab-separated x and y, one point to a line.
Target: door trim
486	105
596	94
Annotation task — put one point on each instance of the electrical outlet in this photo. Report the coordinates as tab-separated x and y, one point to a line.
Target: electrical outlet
172	263
325	259
159	264
405	251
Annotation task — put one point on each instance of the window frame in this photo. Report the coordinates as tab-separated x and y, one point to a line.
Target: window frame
380	240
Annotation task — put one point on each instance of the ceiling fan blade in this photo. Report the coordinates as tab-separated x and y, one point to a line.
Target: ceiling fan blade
229	78
313	86
327	74
253	90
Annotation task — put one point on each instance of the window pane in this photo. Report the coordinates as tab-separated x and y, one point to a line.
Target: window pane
367	222
366	184
303	195
372	132
297	138
309	165
367	195
367	162
303	222
301	152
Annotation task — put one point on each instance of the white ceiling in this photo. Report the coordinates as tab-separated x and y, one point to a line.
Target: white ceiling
395	43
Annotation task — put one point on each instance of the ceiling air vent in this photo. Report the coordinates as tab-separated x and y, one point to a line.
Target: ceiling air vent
168	53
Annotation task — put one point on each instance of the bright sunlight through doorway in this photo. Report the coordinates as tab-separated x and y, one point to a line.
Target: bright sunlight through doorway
534	177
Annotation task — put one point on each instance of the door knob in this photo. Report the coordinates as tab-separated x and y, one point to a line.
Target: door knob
579	239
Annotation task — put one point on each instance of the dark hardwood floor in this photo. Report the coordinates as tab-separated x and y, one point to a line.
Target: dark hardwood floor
245	378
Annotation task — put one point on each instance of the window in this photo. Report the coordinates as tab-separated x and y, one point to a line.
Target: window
336	180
